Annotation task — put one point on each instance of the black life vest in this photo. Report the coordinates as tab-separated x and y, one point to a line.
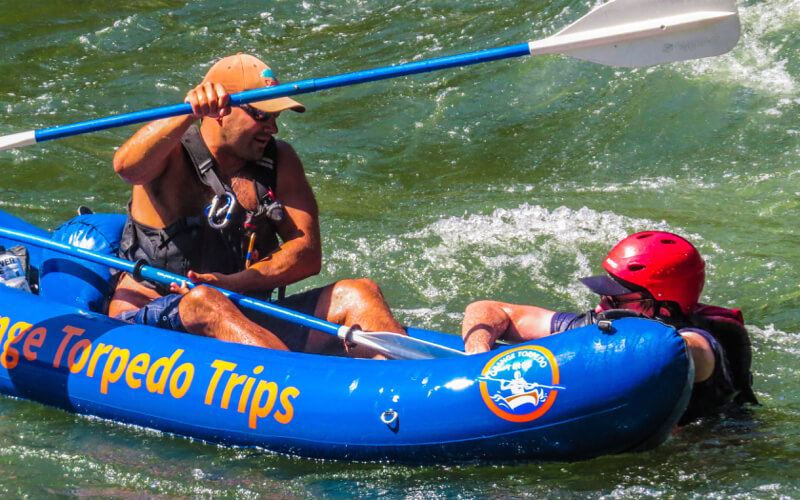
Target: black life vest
190	242
727	327
732	383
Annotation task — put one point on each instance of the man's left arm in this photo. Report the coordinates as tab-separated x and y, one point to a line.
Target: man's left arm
300	254
702	354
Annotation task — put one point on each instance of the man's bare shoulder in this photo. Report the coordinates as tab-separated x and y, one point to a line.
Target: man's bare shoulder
287	155
176	193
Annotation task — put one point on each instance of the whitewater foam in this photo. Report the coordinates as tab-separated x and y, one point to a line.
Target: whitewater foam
508	251
755	62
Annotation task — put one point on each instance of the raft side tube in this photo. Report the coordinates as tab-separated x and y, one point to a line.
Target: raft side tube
578	394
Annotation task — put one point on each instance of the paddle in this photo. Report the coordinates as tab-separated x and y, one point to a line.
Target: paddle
393	345
619	33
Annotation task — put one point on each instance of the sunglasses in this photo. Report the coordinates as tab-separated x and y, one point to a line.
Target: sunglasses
621	301
258	115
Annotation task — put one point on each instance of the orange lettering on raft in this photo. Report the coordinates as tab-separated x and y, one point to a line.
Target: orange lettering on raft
117	363
98	351
10	356
245	396
165	365
85	345
137	366
34	339
4	322
179	391
157	376
288	409
71	331
221	368
248	387
234	381
257	411
255	407
111	375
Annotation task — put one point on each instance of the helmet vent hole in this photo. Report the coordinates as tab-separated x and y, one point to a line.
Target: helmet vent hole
643	236
635	267
668	242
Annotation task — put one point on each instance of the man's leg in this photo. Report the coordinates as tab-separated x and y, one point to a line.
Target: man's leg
200	311
207	312
353	303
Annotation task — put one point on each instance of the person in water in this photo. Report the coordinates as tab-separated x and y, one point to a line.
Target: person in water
210	202
654	274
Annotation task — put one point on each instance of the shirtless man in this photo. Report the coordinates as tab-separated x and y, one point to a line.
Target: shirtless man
262	179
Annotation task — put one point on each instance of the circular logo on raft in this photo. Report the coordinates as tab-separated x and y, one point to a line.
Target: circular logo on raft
520	384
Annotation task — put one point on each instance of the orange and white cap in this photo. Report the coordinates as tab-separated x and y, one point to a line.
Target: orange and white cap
245	72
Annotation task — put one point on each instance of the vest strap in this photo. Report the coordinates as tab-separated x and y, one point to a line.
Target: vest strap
203	160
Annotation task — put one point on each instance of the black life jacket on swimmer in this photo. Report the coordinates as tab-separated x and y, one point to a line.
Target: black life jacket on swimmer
191	242
727	327
732	381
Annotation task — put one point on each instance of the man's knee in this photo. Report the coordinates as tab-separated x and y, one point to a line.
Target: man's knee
203	295
353	298
478	308
359	288
201	304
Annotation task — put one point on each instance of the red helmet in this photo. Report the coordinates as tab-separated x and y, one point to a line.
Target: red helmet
666	265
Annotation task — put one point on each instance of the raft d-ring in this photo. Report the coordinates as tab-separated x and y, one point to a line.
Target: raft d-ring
389	417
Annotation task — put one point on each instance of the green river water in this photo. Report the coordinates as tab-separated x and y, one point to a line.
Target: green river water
506	180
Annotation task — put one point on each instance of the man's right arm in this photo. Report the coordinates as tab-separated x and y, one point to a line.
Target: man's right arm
145	156
487	321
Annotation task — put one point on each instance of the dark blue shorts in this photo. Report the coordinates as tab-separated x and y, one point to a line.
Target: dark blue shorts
161	313
293	335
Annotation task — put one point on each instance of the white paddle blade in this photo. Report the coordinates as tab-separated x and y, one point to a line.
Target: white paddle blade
633	33
17	140
397	346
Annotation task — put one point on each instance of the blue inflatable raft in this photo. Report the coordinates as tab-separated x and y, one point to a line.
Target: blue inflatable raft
575	395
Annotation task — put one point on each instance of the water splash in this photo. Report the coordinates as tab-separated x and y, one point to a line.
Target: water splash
508	254
759	62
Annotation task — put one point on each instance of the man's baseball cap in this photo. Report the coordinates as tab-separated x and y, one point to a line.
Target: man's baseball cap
245	72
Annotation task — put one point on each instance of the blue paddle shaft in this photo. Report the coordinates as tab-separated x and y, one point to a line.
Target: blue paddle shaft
391	344
288	89
165	278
